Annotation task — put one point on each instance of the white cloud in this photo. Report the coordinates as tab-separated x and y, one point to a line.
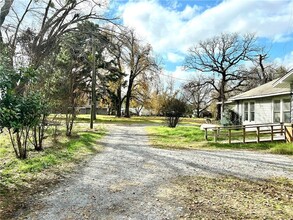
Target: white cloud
282	38
286	61
180	75
176	77
189	12
168	29
174	58
154	23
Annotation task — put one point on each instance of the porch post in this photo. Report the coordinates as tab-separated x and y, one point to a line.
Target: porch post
291	104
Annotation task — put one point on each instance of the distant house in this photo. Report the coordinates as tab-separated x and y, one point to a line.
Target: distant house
86	108
268	103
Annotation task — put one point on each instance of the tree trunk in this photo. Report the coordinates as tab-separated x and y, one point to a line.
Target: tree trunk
138	110
70	122
172	121
38	136
222	95
21	144
118	102
128	98
218	117
94	77
222	108
41	137
3	13
70	117
265	77
12	139
197	111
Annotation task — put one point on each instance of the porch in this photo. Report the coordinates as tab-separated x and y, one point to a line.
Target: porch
255	133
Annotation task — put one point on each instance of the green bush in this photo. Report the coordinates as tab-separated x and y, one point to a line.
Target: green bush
18	114
174	109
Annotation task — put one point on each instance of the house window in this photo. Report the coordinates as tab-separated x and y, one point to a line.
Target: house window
245	111
277	110
251	111
286	111
282	111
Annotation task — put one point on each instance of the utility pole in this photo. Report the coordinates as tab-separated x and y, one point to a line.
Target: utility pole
94	100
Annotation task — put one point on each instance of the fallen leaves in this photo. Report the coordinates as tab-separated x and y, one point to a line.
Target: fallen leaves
229	197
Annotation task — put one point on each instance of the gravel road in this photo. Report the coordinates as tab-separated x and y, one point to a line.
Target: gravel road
129	179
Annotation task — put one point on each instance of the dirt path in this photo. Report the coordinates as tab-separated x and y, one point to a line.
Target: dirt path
129	179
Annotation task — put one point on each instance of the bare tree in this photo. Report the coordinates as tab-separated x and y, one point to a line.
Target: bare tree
262	72
222	56
51	20
116	66
197	93
128	63
139	60
141	94
4	11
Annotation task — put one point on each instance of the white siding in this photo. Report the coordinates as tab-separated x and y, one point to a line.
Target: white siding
263	109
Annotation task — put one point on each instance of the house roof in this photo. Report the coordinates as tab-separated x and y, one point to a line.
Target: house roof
284	81
265	90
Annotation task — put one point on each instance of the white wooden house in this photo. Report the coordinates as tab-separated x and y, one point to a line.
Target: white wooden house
268	103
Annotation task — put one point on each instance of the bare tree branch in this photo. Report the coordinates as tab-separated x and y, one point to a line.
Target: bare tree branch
3	14
222	55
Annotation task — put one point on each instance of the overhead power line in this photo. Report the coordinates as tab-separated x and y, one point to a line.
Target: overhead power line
187	80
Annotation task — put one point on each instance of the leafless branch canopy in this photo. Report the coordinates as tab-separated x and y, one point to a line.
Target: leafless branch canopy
223	56
45	22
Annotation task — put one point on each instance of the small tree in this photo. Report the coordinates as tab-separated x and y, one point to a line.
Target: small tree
174	109
19	111
72	75
19	114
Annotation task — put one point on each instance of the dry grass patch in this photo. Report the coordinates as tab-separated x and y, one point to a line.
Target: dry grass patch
233	198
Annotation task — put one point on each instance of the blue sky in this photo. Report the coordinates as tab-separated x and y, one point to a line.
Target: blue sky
172	26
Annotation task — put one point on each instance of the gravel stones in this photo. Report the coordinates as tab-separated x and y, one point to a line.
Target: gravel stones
129	179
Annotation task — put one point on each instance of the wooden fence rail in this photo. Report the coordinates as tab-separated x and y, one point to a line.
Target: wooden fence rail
251	133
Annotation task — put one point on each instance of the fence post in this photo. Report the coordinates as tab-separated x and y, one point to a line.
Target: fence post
243	133
215	134
291	133
286	133
257	134
272	133
229	134
206	134
282	128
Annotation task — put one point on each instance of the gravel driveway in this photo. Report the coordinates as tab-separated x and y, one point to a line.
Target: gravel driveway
129	179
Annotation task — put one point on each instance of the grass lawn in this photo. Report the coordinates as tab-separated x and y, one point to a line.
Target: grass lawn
105	119
191	137
21	178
